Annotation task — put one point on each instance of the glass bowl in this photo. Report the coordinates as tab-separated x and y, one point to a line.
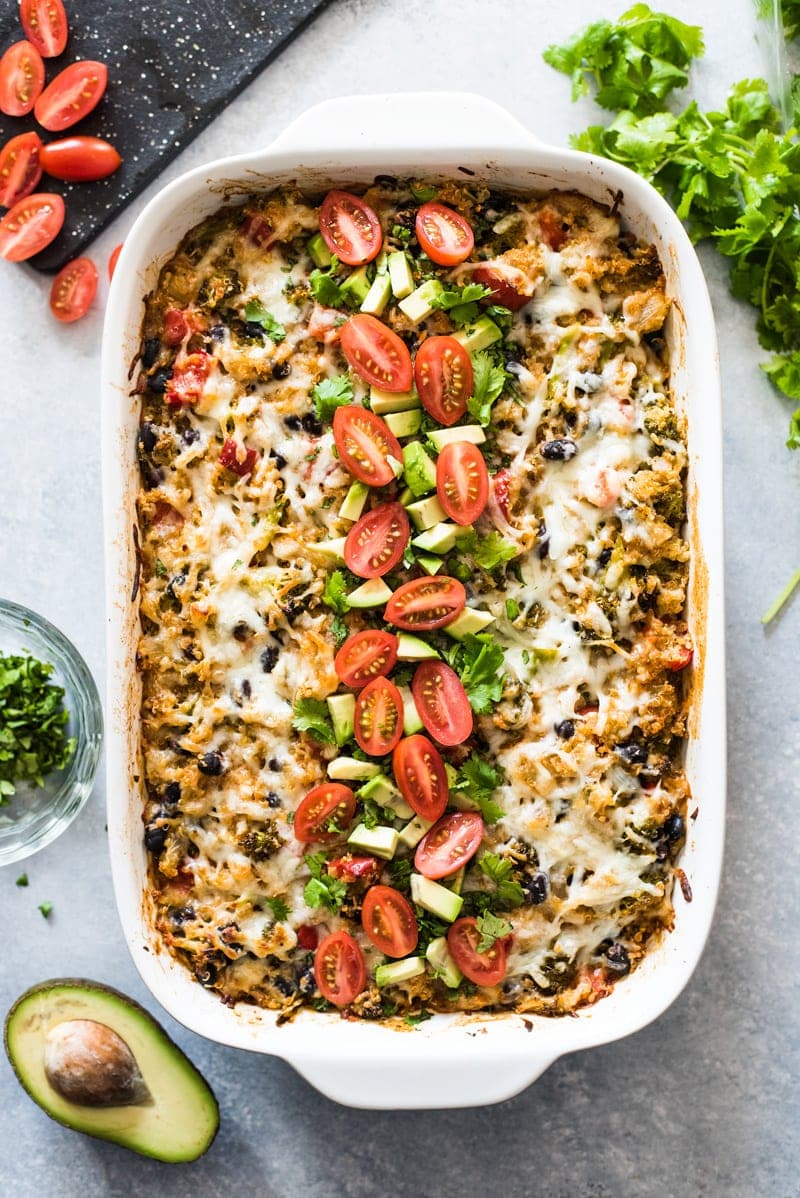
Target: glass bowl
35	815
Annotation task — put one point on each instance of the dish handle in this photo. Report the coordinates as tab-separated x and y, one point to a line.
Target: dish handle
440	122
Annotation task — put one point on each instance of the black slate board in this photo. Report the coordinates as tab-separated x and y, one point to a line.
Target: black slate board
172	66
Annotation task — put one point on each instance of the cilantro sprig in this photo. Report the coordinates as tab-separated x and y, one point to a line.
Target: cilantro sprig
461	303
33	720
478	660
490	377
256	312
323	890
478	780
508	891
330	394
311	716
491	927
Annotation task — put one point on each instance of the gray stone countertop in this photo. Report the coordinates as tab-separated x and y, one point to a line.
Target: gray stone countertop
702	1102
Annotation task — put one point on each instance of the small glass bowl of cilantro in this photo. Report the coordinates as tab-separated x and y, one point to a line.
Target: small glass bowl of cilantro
51	732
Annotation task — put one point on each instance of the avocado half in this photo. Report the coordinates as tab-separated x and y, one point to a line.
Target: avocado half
96	1061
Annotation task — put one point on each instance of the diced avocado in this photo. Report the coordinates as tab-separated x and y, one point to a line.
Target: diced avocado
462	432
469	621
461	802
342	710
400	274
372	593
382	402
353	502
456	880
413	648
438	955
435	898
378	296
404	424
411	721
429	563
398	971
356	286
419	303
480	335
350	769
439	539
333	549
382	263
405	497
97	1062
380	841
412	834
383	791
452	775
319	252
424	513
419	468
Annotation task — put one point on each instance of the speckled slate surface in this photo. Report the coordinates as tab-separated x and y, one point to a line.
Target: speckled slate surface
172	66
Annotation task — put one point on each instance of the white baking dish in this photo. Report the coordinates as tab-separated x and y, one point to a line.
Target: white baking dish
448	1061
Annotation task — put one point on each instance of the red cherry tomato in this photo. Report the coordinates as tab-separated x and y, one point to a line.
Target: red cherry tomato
502	287
442	703
324	814
45	25
365	444
352	868
364	656
444	378
451	843
257	230
484	969
444	234
30	226
20	168
350	228
376	542
551	227
188	378
501	488
176	326
71	95
375	353
421	776
340	969
73	290
307	936
378	717
462	481
426	603
683	657
238	459
80	159
21	79
389	921
112	262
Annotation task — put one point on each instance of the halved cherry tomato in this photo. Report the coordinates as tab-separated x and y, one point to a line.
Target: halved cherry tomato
352	868
420	774
378	717
365	444
350	228
71	95
376	542
176	326
451	843
235	457
462	481
112	262
484	969
307	936
502	286
188	378
444	378
426	603
388	919
20	168
45	24
30	226
73	290
80	159
340	969
364	656
376	353
325	812
442	702
21	79
444	234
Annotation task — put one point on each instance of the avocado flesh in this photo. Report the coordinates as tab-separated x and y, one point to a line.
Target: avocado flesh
179	1120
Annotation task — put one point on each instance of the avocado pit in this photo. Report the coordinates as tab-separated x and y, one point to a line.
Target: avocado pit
89	1064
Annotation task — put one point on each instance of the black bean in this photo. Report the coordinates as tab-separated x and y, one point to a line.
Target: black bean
560	449
172	794
269	658
274	764
543	548
253	329
284	986
242	631
385	181
272	799
565	729
148	436
536	888
306	982
207	968
174	584
217	332
247	689
281	370
210	764
632	751
179	915
312	425
158	380
278	459
674	827
190	435
604	557
662	849
150	351
292	422
155	838
618	959
645	600
406	217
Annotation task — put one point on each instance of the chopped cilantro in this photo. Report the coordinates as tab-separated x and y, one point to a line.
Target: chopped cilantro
490	378
373	814
478	661
324	287
478	780
330	394
311	716
400	870
279	908
512	609
255	311
22	880
323	890
32	723
161	569
430	928
462	303
45	909
335	592
419	1017
491	927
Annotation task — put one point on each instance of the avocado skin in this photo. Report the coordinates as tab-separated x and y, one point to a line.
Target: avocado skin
91	987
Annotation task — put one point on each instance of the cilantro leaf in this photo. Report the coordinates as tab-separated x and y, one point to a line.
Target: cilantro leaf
493	551
478	661
46	909
491	927
489	380
255	311
478	780
330	394
322	890
324	287
279	908
461	303
311	716
509	892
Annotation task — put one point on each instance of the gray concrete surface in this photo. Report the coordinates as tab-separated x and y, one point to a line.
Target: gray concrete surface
703	1102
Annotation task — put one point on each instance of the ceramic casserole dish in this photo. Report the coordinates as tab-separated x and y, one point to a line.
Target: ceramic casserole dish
457	1060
